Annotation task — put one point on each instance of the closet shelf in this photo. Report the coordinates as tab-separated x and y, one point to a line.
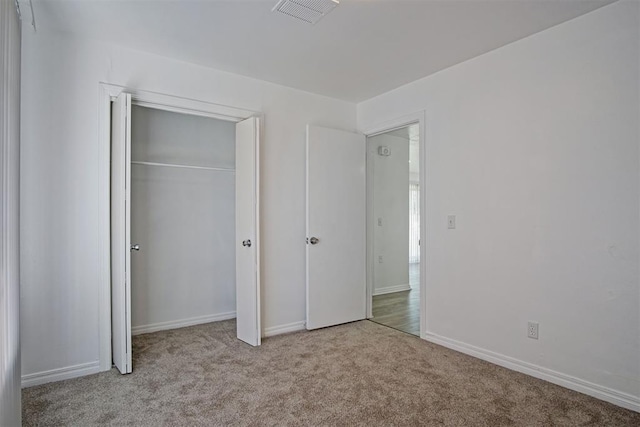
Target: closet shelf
172	165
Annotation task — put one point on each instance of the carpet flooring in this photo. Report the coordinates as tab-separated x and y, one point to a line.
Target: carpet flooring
361	373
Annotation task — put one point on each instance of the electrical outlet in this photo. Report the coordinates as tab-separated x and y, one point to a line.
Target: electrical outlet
380	259
532	330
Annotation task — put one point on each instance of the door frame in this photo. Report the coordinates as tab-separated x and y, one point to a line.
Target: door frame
106	93
388	126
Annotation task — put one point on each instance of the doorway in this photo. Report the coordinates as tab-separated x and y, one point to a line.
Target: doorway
393	188
158	177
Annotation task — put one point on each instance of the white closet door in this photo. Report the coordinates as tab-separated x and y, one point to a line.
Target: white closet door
121	232
336	218
247	232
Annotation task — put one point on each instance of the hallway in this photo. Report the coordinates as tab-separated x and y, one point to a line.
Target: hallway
400	310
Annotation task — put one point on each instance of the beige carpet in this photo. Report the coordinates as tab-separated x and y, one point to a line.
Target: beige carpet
356	374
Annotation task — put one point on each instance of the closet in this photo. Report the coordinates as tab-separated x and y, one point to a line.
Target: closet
182	219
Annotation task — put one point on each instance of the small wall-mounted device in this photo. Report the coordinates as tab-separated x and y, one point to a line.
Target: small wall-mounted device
384	151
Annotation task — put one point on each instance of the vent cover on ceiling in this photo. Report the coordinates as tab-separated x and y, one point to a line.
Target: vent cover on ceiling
310	11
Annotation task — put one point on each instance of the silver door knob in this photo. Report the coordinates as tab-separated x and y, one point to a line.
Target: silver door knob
246	243
135	247
314	240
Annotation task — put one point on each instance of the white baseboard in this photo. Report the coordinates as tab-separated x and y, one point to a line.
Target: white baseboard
392	289
616	397
175	324
284	329
60	374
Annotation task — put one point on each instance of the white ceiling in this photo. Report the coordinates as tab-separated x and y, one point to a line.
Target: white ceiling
361	49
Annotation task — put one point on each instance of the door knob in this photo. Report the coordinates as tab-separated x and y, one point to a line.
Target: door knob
135	247
313	240
246	243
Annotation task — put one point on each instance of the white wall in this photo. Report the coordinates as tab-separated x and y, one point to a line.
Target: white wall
535	148
391	206
60	204
183	219
10	412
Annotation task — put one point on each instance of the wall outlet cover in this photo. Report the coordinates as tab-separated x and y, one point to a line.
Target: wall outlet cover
532	330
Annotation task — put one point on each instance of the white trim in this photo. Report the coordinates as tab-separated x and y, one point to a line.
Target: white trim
258	219
391	289
285	329
395	124
106	92
178	104
419	117
104	224
61	374
10	353
370	229
616	397
182	323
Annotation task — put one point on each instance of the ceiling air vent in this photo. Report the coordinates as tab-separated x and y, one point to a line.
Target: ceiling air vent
310	11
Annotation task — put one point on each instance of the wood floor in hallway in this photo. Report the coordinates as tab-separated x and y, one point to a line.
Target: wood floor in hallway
400	310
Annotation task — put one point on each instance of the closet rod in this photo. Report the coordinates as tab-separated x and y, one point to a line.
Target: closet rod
170	165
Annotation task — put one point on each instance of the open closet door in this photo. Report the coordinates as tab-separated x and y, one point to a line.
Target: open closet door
247	231
336	233
121	232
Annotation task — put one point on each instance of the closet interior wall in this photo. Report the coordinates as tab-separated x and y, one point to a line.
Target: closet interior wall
183	218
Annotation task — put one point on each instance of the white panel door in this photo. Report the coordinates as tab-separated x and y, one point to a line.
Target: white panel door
121	232
336	233
247	231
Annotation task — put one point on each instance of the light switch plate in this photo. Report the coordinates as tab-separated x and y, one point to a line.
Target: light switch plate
451	222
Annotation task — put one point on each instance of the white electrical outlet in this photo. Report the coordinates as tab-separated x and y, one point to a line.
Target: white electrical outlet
532	330
380	259
451	222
